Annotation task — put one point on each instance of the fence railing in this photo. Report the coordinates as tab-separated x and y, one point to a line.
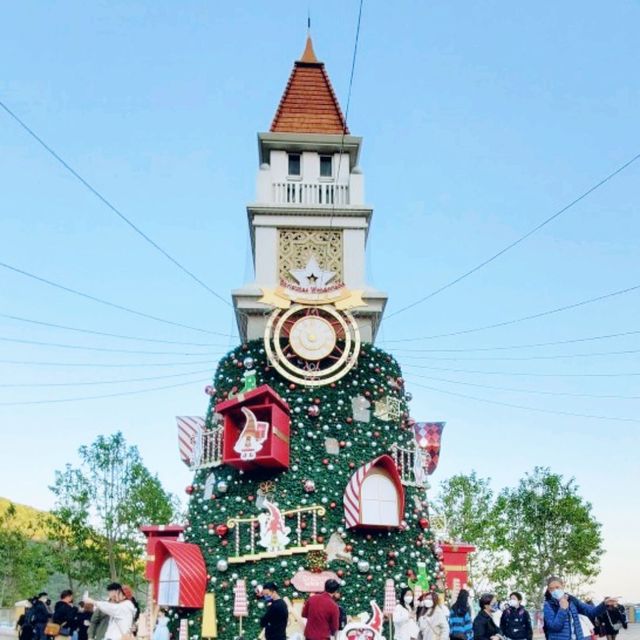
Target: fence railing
314	193
304	535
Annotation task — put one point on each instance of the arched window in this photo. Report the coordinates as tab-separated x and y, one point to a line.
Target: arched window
379	503
374	496
169	584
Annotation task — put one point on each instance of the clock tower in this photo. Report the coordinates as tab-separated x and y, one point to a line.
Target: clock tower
310	300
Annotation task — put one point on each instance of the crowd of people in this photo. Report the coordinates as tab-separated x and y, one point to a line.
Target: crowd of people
428	618
114	618
424	618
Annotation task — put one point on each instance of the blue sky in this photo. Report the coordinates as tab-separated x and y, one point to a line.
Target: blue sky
479	121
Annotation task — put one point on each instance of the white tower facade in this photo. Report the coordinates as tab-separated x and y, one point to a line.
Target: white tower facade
309	219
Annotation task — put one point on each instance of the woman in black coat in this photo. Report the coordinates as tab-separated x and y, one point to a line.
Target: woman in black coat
484	628
613	619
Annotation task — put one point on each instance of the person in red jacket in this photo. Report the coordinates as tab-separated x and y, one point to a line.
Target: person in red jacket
322	613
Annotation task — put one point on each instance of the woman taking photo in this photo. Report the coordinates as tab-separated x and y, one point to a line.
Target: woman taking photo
484	628
432	618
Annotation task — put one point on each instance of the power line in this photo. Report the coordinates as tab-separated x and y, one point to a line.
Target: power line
101	364
533	316
39	384
522	358
521	373
520	346
523	407
522	238
116	335
113	305
346	114
103	349
597	396
98	397
112	207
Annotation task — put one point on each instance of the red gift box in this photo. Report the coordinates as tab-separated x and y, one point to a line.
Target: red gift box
256	430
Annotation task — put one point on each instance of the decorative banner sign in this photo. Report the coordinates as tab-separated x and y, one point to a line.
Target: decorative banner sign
309	582
428	437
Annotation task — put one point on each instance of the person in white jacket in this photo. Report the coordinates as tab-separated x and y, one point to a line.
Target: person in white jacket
120	610
432	618
404	617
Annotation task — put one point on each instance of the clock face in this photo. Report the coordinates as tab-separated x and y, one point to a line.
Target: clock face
311	345
312	338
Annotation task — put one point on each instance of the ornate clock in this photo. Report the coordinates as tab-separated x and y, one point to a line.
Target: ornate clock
312	345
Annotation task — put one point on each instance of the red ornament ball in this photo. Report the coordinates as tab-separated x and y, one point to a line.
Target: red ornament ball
349	420
209	390
325	460
369	578
189	489
222	530
333	505
424	523
339	573
292	386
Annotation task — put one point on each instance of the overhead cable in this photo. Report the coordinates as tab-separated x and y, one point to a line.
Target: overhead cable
107	303
113	335
90	383
533	316
516	242
98	397
111	206
526	408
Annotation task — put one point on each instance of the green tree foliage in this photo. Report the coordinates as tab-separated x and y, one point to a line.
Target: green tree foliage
547	528
99	508
24	561
469	506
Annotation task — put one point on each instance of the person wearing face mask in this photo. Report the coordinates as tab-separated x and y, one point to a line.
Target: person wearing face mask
484	628
562	612
275	619
515	622
432	618
404	617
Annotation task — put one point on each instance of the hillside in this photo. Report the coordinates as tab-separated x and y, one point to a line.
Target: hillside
26	518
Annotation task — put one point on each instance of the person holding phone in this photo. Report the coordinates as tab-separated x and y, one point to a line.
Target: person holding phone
562	612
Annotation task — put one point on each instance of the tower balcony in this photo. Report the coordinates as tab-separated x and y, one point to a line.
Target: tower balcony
310	193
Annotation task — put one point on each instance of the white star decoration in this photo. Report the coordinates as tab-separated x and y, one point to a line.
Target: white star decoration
312	275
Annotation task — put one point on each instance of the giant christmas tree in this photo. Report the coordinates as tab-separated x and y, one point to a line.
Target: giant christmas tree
308	464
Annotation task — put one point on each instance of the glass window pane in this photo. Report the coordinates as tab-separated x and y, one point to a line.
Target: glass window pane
294	164
326	166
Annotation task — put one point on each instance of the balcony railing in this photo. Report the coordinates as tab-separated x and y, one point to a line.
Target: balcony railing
411	464
313	193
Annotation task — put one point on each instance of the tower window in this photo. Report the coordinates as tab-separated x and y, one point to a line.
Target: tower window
326	166
294	164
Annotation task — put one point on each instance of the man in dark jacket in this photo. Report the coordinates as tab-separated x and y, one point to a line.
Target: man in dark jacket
276	617
322	613
515	622
40	615
64	613
484	628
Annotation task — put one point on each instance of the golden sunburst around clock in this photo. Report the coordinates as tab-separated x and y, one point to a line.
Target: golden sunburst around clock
312	345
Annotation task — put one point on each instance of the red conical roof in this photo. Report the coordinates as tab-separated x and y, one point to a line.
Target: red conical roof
309	104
